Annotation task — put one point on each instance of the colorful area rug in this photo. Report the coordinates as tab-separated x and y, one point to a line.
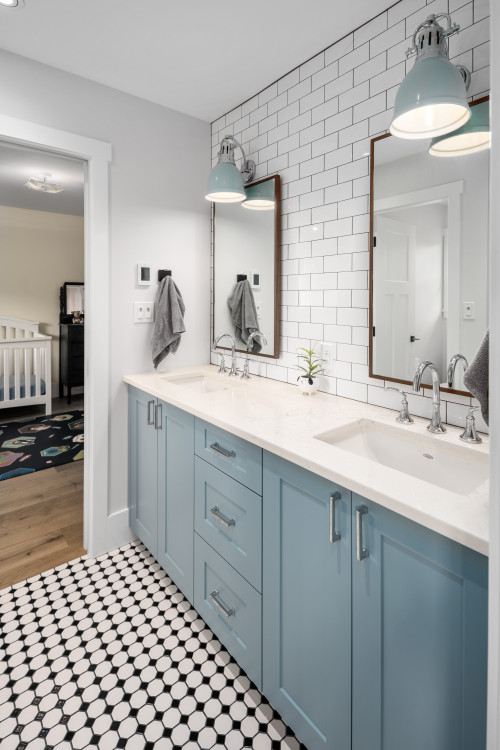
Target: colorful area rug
28	445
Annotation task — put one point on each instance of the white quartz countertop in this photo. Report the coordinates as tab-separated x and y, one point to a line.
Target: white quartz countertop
280	419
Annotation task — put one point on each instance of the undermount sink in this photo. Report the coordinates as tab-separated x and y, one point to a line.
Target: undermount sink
456	468
198	382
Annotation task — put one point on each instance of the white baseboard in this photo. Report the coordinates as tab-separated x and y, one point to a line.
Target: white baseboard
118	531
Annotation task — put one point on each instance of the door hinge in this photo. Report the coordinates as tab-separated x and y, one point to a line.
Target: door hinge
374	241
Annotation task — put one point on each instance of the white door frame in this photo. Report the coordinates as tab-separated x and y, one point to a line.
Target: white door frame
96	155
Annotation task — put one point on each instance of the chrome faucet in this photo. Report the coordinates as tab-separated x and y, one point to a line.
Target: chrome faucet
246	372
435	423
451	367
222	368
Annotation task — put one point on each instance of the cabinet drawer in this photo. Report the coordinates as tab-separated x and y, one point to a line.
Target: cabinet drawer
230	607
229	517
233	455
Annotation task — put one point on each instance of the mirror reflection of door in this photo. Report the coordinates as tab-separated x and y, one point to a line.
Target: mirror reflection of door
394	298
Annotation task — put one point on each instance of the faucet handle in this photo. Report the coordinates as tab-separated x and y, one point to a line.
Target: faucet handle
469	435
404	416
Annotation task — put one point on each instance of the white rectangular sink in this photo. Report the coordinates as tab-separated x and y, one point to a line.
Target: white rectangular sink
199	382
457	468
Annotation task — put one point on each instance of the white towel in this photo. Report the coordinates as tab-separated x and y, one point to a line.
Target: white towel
169	320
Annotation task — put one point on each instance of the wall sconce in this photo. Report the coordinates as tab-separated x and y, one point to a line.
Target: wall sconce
432	99
260	197
225	184
472	137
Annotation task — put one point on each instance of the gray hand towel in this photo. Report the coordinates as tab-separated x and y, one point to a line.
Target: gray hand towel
169	321
244	313
476	375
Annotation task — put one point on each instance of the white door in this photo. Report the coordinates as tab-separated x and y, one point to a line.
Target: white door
393	297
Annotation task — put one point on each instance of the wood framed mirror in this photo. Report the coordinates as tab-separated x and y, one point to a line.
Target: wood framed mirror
247	248
429	239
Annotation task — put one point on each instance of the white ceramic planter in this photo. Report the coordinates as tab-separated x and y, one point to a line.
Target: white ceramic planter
308	388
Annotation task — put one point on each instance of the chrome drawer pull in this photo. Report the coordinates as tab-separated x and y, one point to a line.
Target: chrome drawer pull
219	449
361	552
221	517
158	422
226	611
334	534
150	420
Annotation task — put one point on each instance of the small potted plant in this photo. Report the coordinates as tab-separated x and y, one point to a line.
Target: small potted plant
311	367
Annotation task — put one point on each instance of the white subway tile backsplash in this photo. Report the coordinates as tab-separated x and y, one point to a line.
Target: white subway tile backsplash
336	263
312	66
338	228
339	85
339	49
326	110
299	123
312	166
371	29
338	334
313	127
338	122
354	133
324	281
324	213
355	58
314	133
300	90
338	192
338	298
317	97
288	113
312	200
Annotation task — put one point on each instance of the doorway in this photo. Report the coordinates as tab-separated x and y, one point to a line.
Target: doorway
41	456
96	155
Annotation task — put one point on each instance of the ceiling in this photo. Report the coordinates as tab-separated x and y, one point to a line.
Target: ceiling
198	57
18	164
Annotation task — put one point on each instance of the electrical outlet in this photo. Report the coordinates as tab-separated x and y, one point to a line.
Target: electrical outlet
143	312
469	311
326	351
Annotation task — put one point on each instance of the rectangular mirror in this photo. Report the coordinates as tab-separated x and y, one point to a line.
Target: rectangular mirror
428	260
71	298
247	244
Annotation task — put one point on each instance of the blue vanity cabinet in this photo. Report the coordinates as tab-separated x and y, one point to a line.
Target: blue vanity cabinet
176	496
142	468
419	636
161	484
307	603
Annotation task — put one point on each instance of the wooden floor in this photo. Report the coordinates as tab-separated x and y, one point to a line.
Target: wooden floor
41	521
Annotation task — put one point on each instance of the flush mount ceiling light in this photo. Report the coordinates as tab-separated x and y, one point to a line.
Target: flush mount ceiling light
260	197
41	183
432	99
12	4
225	184
472	137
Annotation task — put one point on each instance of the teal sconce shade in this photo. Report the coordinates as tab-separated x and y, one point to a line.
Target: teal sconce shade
225	183
260	197
432	99
474	136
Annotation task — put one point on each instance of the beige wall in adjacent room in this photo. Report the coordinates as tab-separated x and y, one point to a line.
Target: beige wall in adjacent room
39	251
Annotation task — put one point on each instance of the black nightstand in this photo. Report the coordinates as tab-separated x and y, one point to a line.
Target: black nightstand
71	357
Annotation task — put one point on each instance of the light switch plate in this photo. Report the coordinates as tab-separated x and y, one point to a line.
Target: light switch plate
469	311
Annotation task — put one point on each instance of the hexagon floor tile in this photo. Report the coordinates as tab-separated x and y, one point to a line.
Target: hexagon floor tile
106	653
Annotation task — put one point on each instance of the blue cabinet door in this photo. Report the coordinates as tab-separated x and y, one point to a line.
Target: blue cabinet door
176	496
142	463
307	604
419	635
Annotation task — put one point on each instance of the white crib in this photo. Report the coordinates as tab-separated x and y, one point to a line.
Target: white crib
25	364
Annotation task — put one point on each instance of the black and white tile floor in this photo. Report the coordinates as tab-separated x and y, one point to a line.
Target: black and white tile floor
106	653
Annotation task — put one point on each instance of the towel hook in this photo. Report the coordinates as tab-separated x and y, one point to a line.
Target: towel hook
241	277
163	273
